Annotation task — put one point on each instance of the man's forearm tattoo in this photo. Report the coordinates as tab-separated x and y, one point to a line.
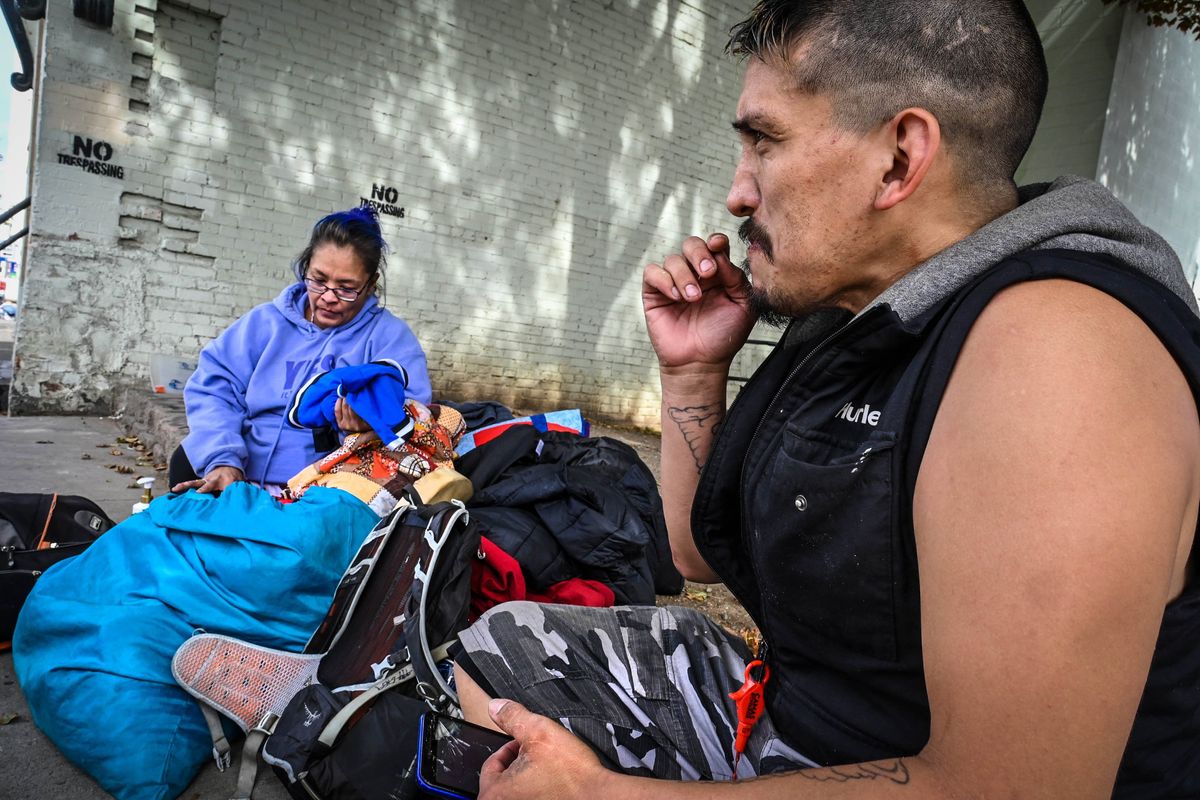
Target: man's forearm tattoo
698	424
893	771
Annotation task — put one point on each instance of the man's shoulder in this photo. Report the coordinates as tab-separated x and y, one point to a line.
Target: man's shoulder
1056	343
1104	270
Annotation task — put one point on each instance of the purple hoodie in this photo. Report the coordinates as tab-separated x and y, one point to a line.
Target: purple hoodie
238	397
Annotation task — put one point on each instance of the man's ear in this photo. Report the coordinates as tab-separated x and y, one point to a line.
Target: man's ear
915	138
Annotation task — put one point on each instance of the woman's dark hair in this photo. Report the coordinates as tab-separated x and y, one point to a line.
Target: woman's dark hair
357	228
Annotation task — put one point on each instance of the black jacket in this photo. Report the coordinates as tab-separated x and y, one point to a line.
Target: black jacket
582	508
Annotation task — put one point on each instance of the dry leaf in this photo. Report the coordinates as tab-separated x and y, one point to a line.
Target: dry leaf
751	637
115	452
160	467
85	457
5	719
124	470
696	595
104	444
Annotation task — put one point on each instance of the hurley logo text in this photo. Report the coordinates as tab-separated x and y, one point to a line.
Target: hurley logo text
862	415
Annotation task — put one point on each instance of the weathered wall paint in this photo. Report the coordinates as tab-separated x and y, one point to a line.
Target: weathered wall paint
542	152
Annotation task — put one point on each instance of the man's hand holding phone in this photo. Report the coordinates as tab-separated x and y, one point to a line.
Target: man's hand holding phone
544	760
450	753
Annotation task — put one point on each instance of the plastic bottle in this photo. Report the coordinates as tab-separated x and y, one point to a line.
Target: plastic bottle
147	485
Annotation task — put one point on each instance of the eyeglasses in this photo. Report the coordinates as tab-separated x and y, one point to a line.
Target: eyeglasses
341	293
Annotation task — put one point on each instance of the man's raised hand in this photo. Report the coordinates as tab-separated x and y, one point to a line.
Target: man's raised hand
697	305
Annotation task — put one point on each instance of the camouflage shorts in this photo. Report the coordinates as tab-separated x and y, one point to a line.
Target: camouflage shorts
647	687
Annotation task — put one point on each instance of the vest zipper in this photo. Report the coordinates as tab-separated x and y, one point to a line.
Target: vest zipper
764	633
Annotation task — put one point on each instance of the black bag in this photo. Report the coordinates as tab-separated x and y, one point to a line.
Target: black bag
36	532
347	723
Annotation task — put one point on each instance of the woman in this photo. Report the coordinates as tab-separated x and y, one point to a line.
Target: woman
238	397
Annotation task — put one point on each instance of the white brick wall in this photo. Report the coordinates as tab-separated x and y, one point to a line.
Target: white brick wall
1081	38
542	152
1152	137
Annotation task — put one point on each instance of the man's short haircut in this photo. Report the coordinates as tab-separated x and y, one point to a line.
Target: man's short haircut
977	65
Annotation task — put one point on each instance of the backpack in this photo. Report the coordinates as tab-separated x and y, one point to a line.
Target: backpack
340	719
36	532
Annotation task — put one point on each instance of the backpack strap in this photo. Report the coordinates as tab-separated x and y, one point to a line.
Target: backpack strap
431	686
333	729
248	769
216	671
221	750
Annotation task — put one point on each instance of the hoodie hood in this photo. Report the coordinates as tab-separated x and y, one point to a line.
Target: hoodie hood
290	303
1071	213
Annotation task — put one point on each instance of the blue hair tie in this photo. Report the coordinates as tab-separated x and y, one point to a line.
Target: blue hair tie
362	217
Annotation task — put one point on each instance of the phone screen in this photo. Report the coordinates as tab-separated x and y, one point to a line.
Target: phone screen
452	752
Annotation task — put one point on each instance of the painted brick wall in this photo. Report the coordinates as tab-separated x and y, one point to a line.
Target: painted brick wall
541	153
1152	137
1081	38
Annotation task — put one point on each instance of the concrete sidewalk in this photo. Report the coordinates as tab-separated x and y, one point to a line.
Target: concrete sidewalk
8	330
73	455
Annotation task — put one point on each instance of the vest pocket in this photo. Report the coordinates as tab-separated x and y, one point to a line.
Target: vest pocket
824	543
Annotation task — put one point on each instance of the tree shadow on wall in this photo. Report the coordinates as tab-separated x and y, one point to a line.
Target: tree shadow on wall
1148	159
544	150
565	163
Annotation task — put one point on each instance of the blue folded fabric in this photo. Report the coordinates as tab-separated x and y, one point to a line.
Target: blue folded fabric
375	391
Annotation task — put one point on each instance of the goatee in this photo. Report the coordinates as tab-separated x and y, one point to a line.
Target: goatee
751	233
762	305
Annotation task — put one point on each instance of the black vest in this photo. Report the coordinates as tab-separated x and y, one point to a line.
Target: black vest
805	510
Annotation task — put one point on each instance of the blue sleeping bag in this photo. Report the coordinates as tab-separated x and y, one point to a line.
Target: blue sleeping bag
94	641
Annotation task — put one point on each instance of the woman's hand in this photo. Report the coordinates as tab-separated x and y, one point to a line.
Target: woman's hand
347	420
216	480
545	760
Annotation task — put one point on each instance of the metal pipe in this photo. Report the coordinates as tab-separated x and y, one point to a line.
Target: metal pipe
7	215
14	237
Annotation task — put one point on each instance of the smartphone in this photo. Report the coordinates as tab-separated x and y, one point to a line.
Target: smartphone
450	753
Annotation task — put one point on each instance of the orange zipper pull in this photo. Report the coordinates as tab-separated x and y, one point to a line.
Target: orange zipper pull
749	702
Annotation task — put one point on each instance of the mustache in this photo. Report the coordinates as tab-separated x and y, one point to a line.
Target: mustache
750	232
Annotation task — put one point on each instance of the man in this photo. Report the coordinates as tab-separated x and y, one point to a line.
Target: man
960	497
